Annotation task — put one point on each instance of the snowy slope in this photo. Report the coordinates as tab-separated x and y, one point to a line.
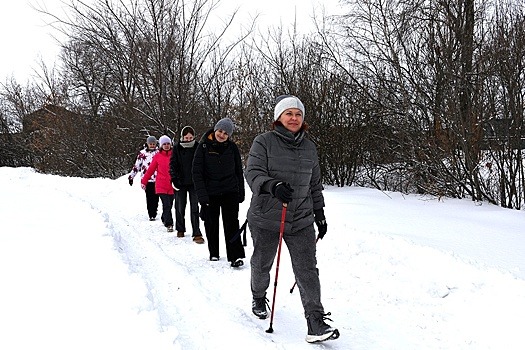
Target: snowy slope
81	267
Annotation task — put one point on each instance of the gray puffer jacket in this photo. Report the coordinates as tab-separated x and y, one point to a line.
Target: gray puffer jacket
279	155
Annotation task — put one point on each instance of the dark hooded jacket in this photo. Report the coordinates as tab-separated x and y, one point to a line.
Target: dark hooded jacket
279	155
181	163
217	169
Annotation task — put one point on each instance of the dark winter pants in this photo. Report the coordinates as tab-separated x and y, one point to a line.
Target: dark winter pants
167	204
152	200
301	245
228	206
180	210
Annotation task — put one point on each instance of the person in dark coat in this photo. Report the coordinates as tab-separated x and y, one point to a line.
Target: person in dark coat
219	182
283	167
182	179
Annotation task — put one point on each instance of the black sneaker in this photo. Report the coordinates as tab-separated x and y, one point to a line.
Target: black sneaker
259	307
318	330
237	263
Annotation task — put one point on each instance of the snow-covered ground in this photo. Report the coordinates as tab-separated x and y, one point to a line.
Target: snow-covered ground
81	267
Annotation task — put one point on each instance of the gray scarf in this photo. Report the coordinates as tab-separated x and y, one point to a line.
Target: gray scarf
187	144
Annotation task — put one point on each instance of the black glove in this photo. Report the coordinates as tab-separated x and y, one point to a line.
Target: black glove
283	192
176	185
130	180
320	221
203	214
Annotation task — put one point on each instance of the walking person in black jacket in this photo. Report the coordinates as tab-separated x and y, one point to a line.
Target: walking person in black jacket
219	182
181	164
283	167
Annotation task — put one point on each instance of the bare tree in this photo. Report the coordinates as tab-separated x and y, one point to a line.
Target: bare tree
141	67
504	168
415	63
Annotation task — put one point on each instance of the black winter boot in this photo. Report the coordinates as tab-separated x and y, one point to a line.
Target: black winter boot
318	330
237	263
259	307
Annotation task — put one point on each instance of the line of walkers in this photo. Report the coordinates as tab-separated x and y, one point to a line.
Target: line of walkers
284	176
209	172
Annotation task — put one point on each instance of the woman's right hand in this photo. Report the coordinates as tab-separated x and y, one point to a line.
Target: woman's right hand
283	192
203	214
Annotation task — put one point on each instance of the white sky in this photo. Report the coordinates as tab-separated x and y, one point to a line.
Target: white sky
26	37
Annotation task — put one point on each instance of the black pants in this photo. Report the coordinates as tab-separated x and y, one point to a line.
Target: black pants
228	206
181	197
167	204
152	200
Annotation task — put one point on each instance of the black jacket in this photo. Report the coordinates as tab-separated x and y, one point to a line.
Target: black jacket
181	164
217	169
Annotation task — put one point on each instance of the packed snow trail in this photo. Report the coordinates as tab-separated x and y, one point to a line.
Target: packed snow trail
217	301
208	303
384	290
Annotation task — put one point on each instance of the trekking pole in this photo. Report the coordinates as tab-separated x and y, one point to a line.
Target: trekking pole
281	232
295	283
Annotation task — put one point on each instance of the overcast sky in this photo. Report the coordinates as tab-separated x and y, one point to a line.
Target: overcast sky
25	37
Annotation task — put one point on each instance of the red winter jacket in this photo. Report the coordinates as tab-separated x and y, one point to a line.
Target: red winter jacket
161	164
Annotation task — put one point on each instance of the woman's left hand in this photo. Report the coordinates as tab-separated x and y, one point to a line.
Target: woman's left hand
320	221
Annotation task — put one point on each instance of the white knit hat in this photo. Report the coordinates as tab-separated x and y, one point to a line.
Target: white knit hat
164	139
285	102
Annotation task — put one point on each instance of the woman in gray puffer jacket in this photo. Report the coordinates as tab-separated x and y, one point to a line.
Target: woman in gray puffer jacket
283	167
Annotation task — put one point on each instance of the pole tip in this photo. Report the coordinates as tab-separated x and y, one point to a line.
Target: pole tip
269	330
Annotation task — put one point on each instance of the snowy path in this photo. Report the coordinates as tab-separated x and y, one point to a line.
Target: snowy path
385	288
216	297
